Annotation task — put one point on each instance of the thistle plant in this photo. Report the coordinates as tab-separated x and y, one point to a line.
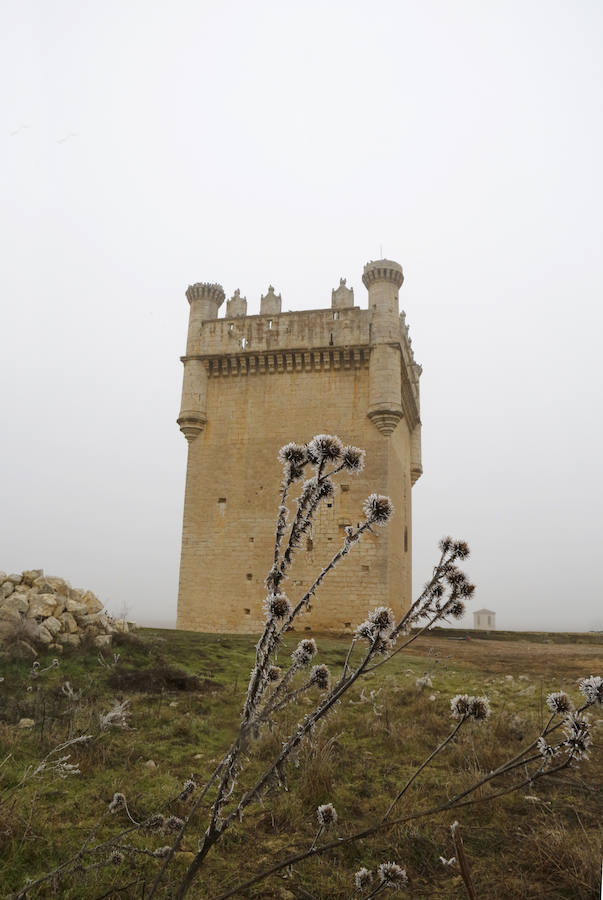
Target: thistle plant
277	682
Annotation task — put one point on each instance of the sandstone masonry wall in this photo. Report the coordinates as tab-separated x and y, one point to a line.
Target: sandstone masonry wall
253	383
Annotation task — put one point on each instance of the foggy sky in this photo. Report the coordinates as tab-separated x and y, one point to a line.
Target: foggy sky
289	143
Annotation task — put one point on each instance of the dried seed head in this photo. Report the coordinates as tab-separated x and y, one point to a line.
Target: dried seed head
592	689
382	617
455	608
173	823
274	673
545	750
460	549
116	857
325	489
293	453
578	737
187	789
155	823
118	801
559	703
353	459
304	651
325	448
366	631
377	509
320	676
277	606
392	875
362	878
445	544
479	708
326	815
161	852
460	705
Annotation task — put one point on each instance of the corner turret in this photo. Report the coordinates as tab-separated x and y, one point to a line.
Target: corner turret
383	280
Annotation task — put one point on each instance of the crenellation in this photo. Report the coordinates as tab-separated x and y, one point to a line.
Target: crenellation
253	383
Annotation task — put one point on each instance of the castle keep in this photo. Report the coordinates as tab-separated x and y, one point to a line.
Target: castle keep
254	383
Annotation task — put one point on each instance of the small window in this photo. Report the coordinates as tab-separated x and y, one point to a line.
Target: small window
231	326
249	576
365	569
345	488
309	545
335	316
251	540
247	612
222	505
405	539
244	342
331	340
347	624
269	323
329	505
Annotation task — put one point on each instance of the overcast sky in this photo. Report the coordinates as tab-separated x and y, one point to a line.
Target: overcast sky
149	145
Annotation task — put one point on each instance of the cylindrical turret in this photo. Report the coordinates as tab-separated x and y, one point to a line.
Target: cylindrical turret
383	280
205	300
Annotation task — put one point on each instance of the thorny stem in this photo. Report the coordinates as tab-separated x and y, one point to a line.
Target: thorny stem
373	829
422	766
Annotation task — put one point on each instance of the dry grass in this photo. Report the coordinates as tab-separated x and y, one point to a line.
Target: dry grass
541	842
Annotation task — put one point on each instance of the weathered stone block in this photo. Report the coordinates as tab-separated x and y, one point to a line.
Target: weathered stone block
73	640
68	622
52	625
92	602
42	605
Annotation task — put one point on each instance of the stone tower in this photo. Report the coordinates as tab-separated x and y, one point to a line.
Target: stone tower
254	383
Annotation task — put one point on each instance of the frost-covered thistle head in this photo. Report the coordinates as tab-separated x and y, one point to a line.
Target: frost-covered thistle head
479	708
460	549
592	690
377	509
161	852
277	606
459	706
366	631
116	857
546	750
559	703
154	823
118	801
326	815
577	735
362	878
392	875
187	789
382	618
293	453
274	673
173	823
304	651
353	459
320	676
455	608
324	448
445	544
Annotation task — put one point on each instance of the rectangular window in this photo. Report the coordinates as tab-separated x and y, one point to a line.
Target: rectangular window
222	505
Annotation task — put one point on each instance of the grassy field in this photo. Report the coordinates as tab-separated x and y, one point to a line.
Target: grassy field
542	842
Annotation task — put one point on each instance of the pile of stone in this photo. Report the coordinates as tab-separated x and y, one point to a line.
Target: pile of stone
38	609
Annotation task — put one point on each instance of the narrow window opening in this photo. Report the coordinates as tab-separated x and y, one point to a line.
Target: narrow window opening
365	569
345	488
269	323
309	545
222	505
329	505
331	340
307	628
405	539
335	316
244	342
247	612
249	576
251	540
347	624
231	326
